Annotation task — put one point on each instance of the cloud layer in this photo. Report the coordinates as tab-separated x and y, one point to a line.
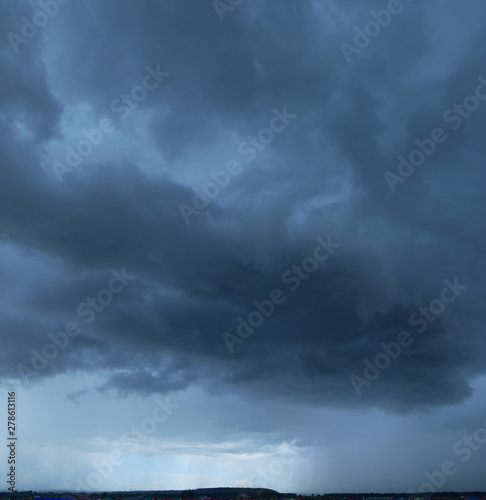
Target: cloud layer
322	175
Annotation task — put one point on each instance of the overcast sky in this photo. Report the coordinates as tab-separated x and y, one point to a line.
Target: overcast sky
242	243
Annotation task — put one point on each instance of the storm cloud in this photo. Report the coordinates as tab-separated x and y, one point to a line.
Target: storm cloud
260	195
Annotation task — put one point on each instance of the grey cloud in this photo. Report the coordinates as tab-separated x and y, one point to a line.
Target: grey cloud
193	281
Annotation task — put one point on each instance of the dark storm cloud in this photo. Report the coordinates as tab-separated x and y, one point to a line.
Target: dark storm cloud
323	176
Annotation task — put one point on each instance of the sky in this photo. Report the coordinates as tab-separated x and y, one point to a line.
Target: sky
242	244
